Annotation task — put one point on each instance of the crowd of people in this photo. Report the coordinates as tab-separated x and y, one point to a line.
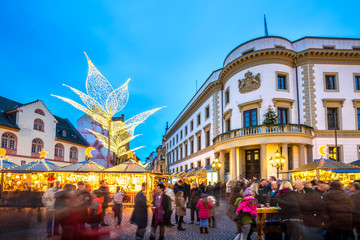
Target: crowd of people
306	210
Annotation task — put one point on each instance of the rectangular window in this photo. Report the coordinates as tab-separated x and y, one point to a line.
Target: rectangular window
250	118
12	144
207	112
192	125
191	146
198	119
358	118
23	162
227	125
181	168
4	143
186	149
283	115
199	163
357	83
227	96
186	167
332	119
191	165
181	135
332	153
185	130
177	138
282	83
181	152
199	143
330	82
207	161
207	138
33	148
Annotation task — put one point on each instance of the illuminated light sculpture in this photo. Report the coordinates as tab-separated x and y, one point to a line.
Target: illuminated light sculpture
102	103
278	162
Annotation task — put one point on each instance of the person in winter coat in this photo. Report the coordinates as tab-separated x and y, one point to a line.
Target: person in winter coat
140	213
339	209
272	219
217	189
179	188
105	191
236	197
212	222
170	192
95	210
48	199
355	197
180	209
118	207
290	213
195	194
161	205
313	210
204	205
246	211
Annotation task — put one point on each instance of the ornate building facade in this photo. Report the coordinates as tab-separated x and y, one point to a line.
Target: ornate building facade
312	83
26	129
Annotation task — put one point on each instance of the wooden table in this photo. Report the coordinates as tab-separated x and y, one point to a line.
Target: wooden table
261	217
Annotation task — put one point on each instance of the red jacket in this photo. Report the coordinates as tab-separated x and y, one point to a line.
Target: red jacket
203	211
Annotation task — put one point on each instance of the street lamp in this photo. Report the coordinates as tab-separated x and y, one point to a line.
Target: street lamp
277	162
216	165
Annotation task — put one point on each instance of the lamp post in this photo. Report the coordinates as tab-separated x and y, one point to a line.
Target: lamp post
216	165
277	162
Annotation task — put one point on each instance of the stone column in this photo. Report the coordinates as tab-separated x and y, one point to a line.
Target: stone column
286	164
232	163
301	155
239	162
222	168
263	161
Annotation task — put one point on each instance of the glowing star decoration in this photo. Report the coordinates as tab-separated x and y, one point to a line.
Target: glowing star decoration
102	102
7	158
43	154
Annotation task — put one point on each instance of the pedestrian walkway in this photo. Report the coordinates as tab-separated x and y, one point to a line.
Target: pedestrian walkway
25	225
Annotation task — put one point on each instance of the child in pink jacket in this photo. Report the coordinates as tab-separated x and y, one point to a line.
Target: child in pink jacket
203	205
246	212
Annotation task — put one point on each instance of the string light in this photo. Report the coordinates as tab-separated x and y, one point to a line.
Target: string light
102	103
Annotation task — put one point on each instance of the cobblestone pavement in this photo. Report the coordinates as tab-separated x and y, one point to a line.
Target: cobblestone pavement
26	224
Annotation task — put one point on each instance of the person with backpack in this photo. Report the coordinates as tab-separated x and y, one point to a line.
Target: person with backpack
204	205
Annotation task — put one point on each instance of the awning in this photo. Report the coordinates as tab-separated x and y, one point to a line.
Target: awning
324	164
126	167
84	166
6	164
40	165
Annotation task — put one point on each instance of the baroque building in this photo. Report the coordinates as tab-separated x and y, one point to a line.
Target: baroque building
26	129
312	83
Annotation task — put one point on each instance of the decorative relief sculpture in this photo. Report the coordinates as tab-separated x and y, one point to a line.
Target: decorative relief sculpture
249	83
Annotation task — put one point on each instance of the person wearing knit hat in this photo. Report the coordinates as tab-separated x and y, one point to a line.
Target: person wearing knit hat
248	192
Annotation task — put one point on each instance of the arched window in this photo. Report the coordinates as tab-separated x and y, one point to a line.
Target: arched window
39	124
36	147
39	111
63	133
73	153
8	141
59	150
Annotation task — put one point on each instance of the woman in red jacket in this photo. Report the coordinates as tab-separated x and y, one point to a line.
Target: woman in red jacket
203	205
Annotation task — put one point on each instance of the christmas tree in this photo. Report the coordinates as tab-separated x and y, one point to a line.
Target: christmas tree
270	117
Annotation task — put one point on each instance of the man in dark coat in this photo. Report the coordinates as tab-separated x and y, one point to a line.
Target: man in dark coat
264	189
272	219
314	214
161	206
140	213
339	209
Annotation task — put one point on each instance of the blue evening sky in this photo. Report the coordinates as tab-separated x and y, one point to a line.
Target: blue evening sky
163	46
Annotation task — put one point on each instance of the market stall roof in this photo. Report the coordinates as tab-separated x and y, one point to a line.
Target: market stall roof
6	164
201	172
324	164
39	165
356	163
183	173
84	166
127	167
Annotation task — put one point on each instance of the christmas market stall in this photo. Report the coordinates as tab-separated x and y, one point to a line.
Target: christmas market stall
86	171
326	170
129	176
